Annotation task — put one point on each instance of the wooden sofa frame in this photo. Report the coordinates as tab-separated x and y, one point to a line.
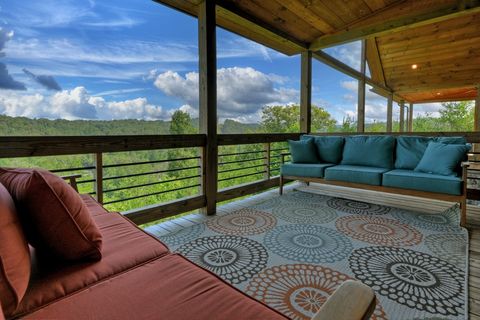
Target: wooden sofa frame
461	199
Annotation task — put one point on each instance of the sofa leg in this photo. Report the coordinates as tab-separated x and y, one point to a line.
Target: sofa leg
281	185
463	212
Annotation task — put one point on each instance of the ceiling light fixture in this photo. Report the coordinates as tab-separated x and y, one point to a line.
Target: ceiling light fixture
414	66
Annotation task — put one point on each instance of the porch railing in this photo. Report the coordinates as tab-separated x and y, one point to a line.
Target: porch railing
169	182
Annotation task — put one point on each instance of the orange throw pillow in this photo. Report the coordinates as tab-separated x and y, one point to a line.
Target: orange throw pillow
54	217
14	256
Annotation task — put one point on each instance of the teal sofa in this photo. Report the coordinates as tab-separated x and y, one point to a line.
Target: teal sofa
387	163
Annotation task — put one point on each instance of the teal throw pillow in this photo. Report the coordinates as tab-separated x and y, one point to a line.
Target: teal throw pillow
303	151
442	158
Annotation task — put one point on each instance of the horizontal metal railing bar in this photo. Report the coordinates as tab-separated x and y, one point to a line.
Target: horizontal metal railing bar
242	176
150	184
85	181
240	153
148	173
238	161
243	168
150	194
71	169
148	162
280	149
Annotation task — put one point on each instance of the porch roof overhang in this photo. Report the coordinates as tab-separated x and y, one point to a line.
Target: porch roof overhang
440	37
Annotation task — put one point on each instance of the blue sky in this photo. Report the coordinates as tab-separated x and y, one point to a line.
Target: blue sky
138	59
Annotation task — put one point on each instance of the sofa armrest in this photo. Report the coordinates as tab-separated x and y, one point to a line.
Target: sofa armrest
353	300
72	179
282	157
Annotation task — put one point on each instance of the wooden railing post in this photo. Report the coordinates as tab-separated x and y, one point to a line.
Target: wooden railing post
306	92
410	118
99	177
389	112
266	149
208	101
361	91
402	116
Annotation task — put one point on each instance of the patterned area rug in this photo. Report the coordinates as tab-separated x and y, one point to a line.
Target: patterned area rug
293	251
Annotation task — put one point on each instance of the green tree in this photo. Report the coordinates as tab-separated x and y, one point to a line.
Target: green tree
181	123
457	116
287	119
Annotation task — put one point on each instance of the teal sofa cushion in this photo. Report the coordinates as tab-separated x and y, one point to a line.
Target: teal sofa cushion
409	179
442	158
304	169
373	151
329	149
409	151
451	140
303	151
356	174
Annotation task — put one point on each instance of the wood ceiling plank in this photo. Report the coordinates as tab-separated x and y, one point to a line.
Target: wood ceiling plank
375	5
402	16
305	11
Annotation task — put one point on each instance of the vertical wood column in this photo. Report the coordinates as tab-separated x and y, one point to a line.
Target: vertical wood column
402	116
389	112
361	91
99	177
208	100
306	93
410	118
476	120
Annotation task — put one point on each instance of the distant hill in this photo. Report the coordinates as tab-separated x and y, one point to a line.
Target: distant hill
21	126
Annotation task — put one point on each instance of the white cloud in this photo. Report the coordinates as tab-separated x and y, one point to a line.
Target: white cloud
348	53
241	92
6	79
77	104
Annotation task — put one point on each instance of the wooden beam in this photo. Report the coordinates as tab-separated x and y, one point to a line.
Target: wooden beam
254	22
65	145
306	92
342	67
208	100
402	116
375	62
477	110
397	17
389	112
410	118
252	138
361	90
99	177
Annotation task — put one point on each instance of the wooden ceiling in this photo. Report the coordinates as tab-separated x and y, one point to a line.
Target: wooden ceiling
442	37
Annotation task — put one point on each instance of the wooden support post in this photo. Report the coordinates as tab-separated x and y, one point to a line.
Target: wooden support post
266	161
99	177
306	93
402	116
410	118
361	91
476	122
389	112
208	101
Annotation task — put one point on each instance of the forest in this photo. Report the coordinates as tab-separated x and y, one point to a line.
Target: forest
163	179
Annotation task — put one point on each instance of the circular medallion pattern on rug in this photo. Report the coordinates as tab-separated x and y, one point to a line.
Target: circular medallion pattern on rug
298	290
357	207
245	221
304	197
296	212
415	279
308	243
233	258
449	246
378	230
444	221
183	235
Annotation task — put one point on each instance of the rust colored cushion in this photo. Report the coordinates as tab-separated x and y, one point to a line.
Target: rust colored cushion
54	217
14	255
93	206
125	246
168	288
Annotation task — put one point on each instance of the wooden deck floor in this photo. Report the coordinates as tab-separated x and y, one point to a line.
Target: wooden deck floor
473	224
